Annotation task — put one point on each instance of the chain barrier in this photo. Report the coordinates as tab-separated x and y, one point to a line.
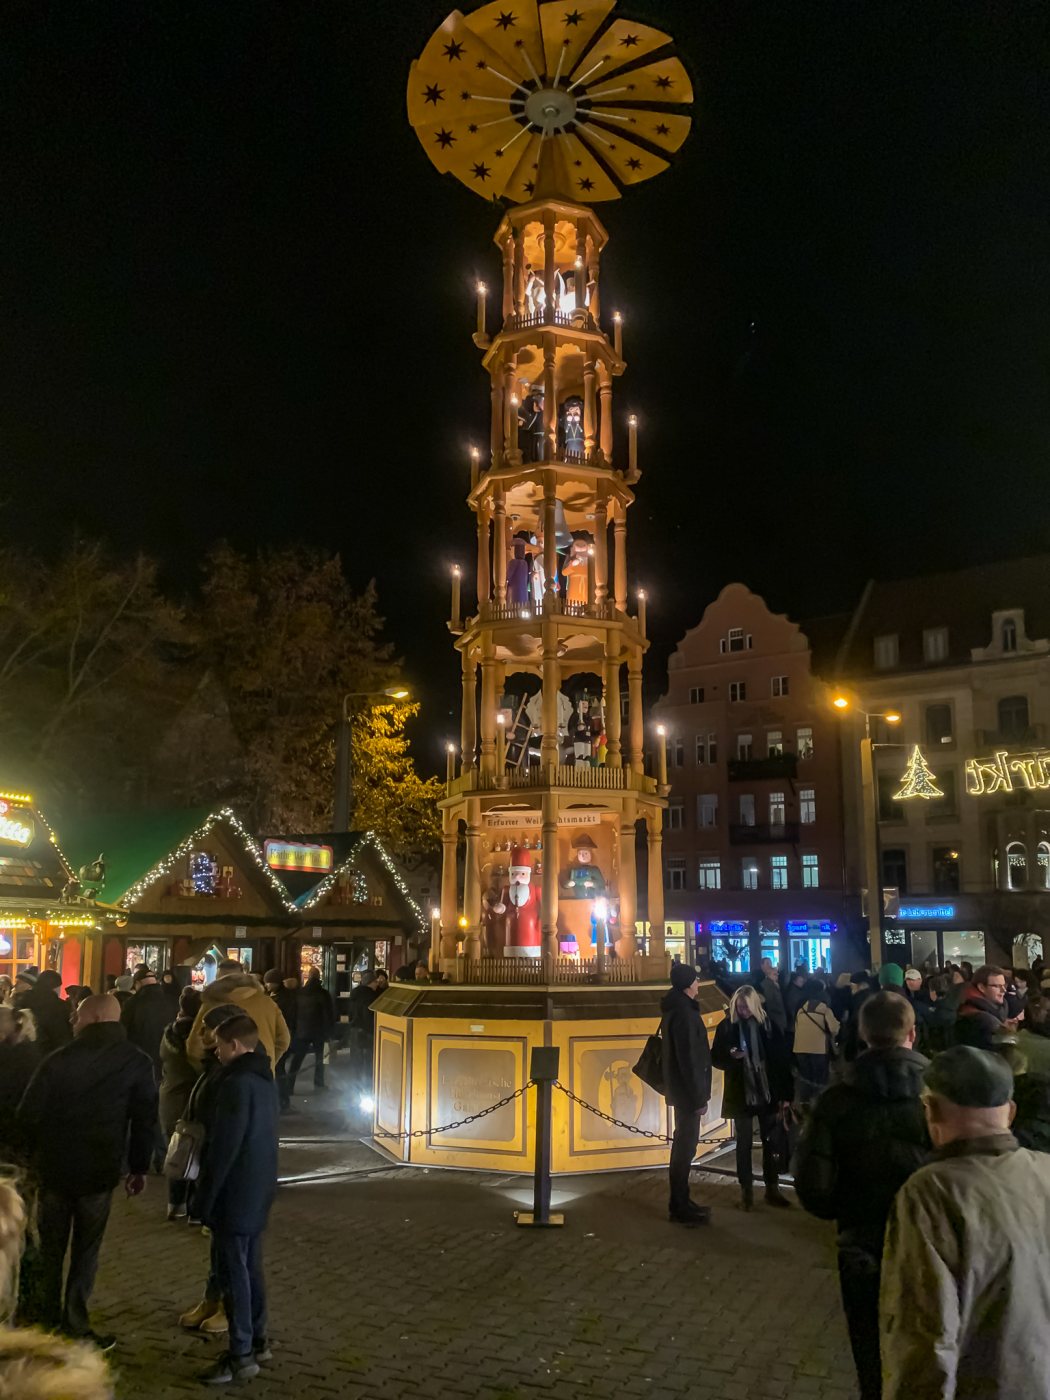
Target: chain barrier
616	1122
460	1122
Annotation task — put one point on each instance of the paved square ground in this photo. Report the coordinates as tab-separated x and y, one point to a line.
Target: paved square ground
411	1283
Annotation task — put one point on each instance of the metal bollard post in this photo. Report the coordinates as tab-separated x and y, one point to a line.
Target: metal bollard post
543	1070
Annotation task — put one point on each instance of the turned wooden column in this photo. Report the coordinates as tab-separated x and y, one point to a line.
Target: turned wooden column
635	718
488	706
550	402
550	542
508	276
612	707
605	423
499	545
549	879
549	738
449	885
472	882
620	562
601	547
590	406
550	300
469	724
484	562
654	826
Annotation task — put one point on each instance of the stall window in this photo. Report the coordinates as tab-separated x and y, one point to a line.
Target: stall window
1016	865
151	955
778	872
807	806
810	872
710	875
945	870
749	874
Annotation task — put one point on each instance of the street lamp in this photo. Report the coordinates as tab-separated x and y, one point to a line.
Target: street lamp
870	812
344	756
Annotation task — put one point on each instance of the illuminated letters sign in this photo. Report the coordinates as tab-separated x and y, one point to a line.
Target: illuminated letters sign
1006	772
727	926
510	820
296	855
926	911
811	926
16	827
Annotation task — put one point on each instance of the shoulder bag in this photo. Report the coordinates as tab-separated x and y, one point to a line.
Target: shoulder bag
650	1066
182	1161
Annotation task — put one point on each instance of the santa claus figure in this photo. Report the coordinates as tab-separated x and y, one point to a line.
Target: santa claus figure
523	907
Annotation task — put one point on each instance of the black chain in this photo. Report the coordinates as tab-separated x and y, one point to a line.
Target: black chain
460	1123
617	1122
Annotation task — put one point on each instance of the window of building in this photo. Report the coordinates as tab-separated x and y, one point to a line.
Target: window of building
712	748
675	867
1013	716
778	872
935	644
677	753
701	750
747	809
946	806
1016	865
807	806
736	640
1042	857
749	874
889	811
774	743
895	869
1008	634
776	809
887	651
804	742
778	686
737	691
676	815
743	746
696	695
710	875
945	870
810	873
939	726
707	810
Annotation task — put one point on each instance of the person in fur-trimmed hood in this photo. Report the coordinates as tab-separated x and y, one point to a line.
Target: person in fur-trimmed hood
234	986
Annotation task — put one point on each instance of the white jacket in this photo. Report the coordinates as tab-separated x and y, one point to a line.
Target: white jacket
810	1026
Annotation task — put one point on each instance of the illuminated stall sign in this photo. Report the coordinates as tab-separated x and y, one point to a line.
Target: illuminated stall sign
926	911
297	855
510	820
811	926
17	827
1007	772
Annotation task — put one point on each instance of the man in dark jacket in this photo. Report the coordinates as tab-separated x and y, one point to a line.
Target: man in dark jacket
864	1138
314	1027
83	1104
284	992
982	1011
38	993
363	1023
687	1086
235	1191
147	1015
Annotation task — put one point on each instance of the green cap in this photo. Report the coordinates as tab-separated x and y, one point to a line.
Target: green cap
970	1078
891	975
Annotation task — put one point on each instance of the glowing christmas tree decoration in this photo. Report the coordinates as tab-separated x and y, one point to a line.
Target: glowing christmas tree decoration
918	779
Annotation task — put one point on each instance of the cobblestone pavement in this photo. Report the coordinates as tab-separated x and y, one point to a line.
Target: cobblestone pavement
405	1283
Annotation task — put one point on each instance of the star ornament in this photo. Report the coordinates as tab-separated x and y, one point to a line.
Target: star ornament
481	171
629	41
572	17
453	50
434	94
444	138
506	19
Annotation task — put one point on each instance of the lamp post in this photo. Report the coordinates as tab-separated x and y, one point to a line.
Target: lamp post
869	798
344	754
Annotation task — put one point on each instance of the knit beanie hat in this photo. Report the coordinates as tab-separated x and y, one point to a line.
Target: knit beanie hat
682	975
891	975
27	976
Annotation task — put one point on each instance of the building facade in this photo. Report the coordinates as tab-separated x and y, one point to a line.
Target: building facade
754	856
964	658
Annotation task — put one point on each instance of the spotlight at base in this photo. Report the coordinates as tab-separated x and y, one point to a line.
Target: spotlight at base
366	1103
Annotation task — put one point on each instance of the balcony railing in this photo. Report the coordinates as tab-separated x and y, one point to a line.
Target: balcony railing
491	611
581	318
531	971
564	775
763	833
742	770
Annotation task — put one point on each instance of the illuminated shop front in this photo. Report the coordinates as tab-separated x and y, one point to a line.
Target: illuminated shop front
927	933
816	942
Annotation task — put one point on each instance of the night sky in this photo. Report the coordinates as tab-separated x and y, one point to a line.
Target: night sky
237	298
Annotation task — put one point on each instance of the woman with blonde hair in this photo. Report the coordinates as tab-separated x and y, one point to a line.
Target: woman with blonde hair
750	1053
36	1365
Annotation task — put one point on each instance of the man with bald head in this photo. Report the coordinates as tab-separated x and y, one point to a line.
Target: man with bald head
83	1104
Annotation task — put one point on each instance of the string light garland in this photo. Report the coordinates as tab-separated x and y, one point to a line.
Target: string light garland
367	838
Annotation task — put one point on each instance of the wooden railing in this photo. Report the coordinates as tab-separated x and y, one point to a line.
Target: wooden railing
527	972
600	779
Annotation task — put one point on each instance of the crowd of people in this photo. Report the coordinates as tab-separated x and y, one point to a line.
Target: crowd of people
913	1109
150	1075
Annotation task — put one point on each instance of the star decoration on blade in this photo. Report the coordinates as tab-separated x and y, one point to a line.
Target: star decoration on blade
575	98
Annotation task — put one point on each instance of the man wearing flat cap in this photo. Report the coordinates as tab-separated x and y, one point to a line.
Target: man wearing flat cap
687	1085
964	1310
